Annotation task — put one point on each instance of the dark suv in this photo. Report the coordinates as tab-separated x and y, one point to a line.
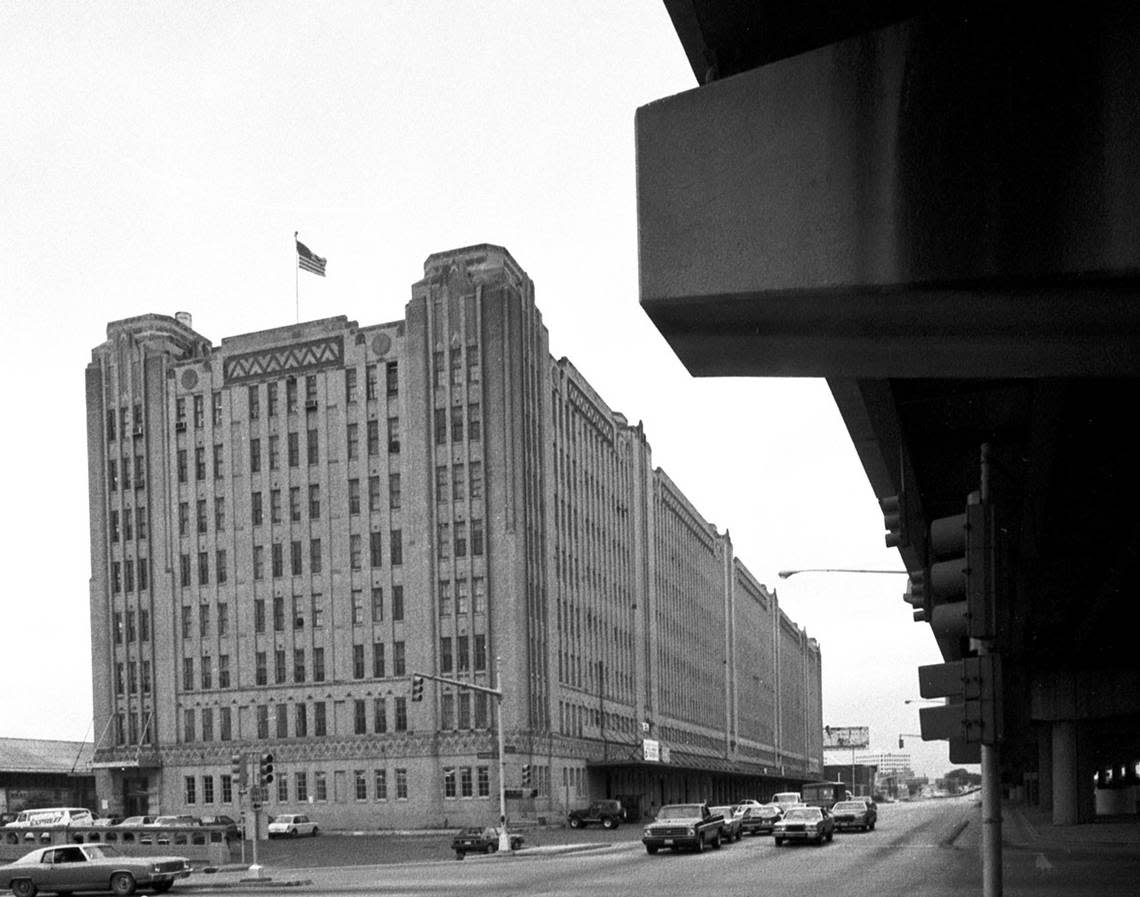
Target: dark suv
608	812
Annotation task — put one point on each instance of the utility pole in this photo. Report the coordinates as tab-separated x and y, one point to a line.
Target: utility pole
991	767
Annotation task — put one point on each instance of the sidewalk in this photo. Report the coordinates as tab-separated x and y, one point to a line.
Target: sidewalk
1032	828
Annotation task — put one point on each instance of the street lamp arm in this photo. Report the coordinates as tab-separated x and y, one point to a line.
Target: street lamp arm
784	574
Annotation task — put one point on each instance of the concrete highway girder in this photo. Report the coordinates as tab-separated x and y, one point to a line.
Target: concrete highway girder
942	218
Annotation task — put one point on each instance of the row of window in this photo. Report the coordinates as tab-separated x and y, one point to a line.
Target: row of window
201	788
300	670
136	679
474	420
132	523
119	473
296	558
123	577
455	365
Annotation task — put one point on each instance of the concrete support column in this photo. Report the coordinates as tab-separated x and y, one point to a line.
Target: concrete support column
1045	767
1066	772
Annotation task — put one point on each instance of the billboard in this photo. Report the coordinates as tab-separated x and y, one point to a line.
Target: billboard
846	736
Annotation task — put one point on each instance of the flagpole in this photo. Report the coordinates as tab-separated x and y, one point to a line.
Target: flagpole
297	276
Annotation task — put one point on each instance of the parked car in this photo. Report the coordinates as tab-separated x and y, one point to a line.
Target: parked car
804	824
5	818
609	813
175	821
90	867
733	821
852	814
290	825
481	840
137	820
761	819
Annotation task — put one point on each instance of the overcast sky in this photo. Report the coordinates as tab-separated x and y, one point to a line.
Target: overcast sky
158	157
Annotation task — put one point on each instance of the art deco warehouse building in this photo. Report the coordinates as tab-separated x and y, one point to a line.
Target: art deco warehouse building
286	526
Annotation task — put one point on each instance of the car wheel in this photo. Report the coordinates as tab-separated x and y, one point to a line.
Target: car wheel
779	842
871	827
717	841
459	854
830	835
22	887
700	843
649	849
575	822
609	822
313	833
490	848
122	883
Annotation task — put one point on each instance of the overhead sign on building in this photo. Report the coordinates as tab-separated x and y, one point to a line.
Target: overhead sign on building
846	736
651	749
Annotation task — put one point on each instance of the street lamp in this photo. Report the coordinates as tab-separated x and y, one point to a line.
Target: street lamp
784	574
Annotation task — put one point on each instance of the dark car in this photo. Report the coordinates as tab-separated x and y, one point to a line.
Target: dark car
609	813
481	840
852	814
761	819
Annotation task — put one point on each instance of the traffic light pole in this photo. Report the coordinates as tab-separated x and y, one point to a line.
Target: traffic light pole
991	767
497	693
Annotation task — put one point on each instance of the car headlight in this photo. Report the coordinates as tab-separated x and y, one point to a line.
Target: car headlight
690	831
647	833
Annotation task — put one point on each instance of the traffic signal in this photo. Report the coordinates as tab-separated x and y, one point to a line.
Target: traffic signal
265	768
417	688
237	770
526	775
971	688
981	569
894	521
945	582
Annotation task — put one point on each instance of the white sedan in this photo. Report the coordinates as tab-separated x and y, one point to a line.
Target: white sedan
290	825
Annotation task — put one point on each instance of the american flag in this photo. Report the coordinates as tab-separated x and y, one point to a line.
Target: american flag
308	261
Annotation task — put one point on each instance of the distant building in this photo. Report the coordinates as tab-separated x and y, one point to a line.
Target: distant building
288	525
895	764
39	773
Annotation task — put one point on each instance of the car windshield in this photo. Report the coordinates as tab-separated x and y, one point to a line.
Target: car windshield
285	819
803	814
724	811
857	805
686	811
766	810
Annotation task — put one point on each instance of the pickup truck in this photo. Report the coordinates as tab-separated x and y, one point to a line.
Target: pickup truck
684	826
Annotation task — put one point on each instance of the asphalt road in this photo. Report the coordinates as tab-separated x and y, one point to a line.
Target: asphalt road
928	849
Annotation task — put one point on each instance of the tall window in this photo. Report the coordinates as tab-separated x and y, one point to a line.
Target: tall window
312	448
358	661
359	717
375	549
352	438
396	547
354	497
394	491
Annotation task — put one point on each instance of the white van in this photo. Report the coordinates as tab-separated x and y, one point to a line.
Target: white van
786	799
53	816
